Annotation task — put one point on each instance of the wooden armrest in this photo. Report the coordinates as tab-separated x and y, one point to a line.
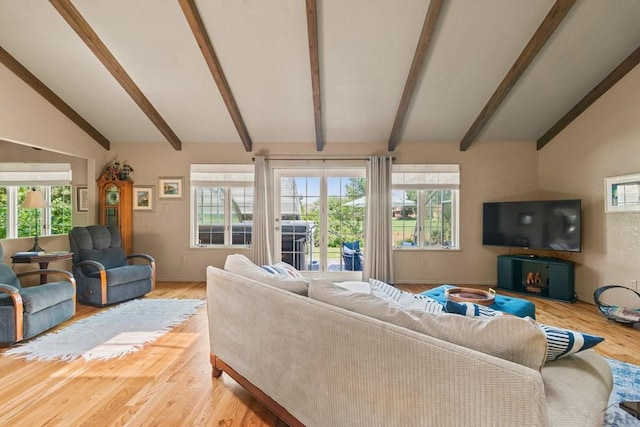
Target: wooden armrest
152	263
66	274
18	309
103	277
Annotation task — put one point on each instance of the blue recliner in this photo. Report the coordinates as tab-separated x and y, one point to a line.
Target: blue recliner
102	269
29	311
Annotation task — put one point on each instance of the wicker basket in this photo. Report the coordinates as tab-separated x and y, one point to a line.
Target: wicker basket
614	312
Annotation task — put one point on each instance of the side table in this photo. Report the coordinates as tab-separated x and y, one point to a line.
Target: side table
43	260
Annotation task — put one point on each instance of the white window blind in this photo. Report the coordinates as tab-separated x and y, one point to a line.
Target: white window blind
222	175
426	176
27	174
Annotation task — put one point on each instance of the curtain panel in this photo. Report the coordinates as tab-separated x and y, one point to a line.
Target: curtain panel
261	234
378	262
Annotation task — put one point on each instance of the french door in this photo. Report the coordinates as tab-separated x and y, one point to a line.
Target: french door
319	220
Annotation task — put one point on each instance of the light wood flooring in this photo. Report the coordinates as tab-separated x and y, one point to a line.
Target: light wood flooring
169	383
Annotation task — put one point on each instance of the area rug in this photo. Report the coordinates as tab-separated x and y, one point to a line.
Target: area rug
112	333
626	387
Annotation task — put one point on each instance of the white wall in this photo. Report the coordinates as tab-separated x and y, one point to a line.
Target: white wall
604	141
489	171
27	120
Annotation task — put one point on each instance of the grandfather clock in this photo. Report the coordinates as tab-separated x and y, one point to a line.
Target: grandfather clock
116	207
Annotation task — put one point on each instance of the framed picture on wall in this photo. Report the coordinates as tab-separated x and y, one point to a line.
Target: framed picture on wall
622	193
170	187
82	198
143	198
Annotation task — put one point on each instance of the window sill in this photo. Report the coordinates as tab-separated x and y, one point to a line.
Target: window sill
421	249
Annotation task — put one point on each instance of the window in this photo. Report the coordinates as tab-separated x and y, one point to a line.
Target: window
425	206
222	204
53	179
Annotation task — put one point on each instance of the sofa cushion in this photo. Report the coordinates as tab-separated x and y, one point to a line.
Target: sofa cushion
108	257
36	298
576	386
508	337
560	342
355	286
406	300
243	266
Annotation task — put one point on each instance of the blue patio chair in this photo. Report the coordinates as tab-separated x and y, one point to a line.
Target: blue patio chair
352	256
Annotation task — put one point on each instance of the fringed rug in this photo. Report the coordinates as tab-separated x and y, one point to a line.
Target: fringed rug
626	387
112	333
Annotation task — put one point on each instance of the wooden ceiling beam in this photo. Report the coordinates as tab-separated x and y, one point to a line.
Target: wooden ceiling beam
619	72
428	28
91	39
199	31
531	50
21	71
312	30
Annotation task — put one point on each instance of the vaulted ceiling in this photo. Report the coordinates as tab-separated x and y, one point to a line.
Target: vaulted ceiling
320	71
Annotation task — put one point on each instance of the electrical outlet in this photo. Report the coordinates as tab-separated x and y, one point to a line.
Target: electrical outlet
634	285
183	259
423	261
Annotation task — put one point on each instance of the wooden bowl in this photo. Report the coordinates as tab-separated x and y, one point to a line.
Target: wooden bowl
477	296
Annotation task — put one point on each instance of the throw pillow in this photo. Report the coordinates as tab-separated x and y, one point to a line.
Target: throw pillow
289	270
243	266
564	342
470	309
406	300
560	342
507	337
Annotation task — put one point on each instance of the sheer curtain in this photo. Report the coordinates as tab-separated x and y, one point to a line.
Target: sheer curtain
262	216
378	262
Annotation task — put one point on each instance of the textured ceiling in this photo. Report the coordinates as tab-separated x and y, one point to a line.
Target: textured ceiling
365	52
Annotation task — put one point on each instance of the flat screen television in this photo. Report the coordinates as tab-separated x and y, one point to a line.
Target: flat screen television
540	224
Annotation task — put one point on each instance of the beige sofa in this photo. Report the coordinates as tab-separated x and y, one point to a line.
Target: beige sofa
316	364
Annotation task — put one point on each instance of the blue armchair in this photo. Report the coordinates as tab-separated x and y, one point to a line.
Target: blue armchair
28	311
103	271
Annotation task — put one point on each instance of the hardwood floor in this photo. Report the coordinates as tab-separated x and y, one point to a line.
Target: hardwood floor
169	383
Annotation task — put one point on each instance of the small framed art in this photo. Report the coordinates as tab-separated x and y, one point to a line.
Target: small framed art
82	198
170	187
622	193
143	198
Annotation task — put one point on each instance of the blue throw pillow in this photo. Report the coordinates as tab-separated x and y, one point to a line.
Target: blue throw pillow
470	309
563	342
560	342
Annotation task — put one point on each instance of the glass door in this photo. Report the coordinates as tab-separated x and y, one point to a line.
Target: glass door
319	220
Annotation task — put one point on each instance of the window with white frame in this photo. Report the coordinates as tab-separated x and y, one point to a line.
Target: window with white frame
222	204
53	180
426	206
